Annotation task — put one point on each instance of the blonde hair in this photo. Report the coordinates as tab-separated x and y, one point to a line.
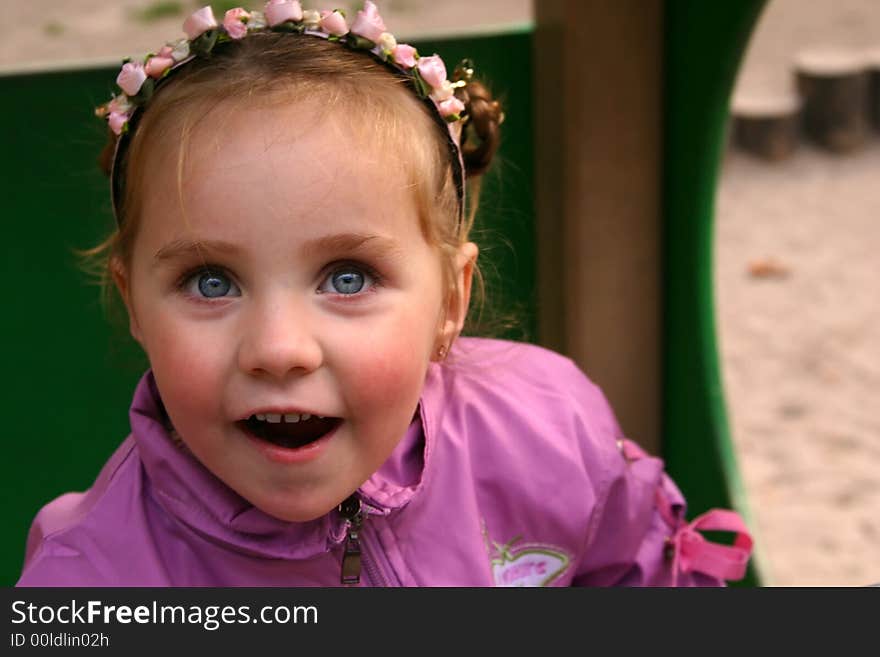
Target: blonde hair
271	68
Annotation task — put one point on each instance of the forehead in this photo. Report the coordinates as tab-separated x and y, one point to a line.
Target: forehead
281	167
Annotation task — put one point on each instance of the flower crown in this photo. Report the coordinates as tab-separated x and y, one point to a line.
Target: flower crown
138	80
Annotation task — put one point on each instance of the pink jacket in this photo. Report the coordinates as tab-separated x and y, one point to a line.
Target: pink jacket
514	472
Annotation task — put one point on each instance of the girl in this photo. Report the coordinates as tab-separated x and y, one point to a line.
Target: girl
292	249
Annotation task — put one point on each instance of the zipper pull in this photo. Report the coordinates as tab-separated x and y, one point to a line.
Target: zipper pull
350	509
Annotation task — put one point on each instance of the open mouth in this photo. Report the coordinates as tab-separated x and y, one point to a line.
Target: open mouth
289	430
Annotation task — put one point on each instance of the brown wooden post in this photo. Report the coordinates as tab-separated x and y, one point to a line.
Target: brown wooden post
599	100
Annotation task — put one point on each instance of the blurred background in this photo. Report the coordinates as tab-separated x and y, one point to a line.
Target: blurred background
795	236
797	285
54	31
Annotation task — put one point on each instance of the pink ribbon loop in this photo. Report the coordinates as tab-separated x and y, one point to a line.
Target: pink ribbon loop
693	553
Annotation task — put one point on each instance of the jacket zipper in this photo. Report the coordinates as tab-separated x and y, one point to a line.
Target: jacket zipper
351	510
354	560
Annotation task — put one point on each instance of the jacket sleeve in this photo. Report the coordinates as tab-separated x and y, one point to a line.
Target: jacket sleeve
51	562
53	566
637	534
63	548
630	540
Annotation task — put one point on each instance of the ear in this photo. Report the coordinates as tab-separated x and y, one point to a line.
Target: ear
458	300
122	280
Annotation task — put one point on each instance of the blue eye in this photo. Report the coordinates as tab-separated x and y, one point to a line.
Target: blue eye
211	284
347	280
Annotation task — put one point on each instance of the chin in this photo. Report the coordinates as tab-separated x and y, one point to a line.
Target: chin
297	512
296	515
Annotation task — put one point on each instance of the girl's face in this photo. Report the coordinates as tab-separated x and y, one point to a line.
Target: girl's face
288	276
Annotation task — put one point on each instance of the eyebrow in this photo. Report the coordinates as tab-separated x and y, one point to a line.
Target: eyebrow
353	243
183	248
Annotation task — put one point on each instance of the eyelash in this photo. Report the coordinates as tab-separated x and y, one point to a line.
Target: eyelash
187	277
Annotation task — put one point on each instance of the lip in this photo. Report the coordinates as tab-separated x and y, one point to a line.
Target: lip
292	455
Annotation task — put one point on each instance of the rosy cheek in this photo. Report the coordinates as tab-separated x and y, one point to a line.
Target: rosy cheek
185	364
389	369
392	373
184	350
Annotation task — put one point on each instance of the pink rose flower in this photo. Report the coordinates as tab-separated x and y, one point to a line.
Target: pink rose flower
369	23
332	22
199	23
235	23
131	78
404	54
159	63
280	11
450	107
433	70
117	122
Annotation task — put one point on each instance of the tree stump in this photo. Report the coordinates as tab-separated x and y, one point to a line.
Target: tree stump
834	87
768	127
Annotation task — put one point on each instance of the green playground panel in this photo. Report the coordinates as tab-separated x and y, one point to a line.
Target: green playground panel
705	42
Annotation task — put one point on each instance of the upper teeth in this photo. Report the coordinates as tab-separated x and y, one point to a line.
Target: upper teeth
286	417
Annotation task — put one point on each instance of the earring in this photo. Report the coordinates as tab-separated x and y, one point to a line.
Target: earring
441	352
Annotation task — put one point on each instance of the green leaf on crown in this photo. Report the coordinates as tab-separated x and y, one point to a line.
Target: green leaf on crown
289	26
357	42
145	92
204	43
422	88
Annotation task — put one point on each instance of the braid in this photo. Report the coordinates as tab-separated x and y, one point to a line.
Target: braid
481	134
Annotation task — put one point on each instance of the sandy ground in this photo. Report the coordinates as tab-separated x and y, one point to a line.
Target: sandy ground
800	345
801	357
800	349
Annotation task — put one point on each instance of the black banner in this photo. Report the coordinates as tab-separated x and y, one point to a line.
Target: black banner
122	621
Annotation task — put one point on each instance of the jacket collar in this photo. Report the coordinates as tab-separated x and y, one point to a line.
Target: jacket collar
195	497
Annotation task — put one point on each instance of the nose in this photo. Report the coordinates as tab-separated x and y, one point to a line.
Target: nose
278	339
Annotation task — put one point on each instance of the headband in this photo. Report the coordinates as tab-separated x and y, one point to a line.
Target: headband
138	81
